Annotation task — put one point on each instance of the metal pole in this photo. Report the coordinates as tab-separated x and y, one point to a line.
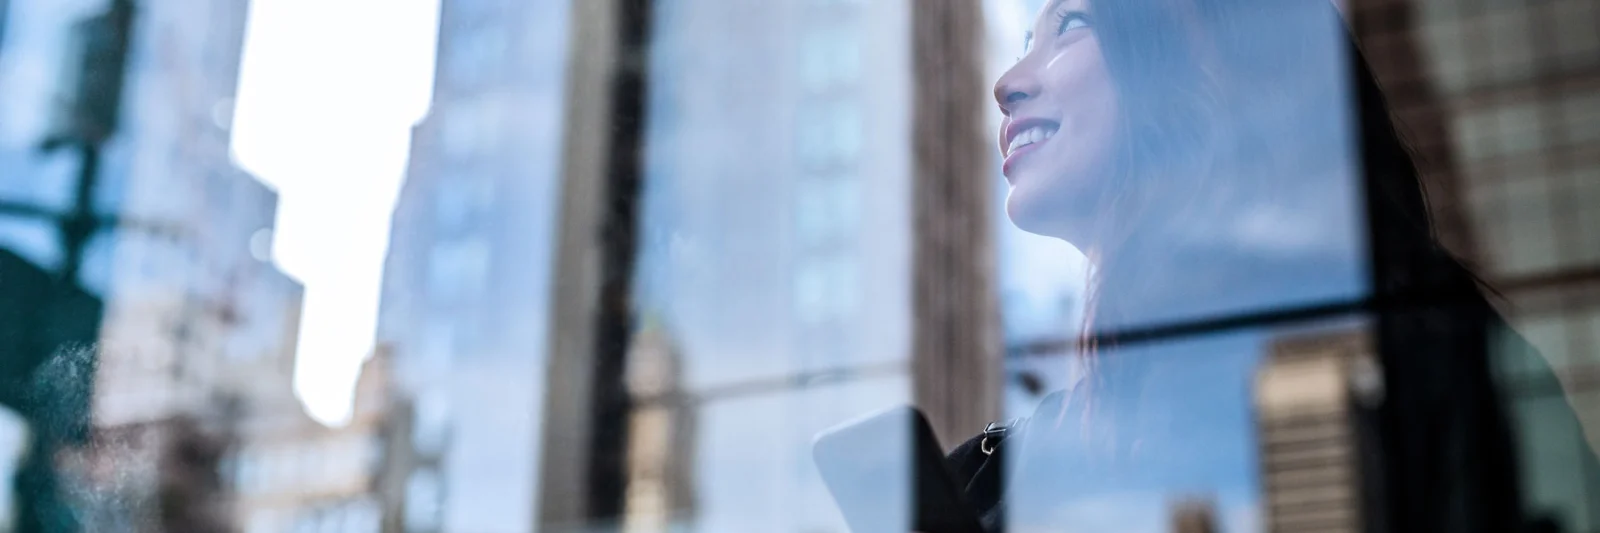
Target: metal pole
80	223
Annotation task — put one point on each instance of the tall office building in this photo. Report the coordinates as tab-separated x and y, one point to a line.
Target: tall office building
1503	103
291	473
466	276
1313	401
775	237
662	437
191	295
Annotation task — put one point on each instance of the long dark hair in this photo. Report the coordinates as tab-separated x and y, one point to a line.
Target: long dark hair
1226	102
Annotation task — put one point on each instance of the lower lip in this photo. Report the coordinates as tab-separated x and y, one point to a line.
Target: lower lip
1016	155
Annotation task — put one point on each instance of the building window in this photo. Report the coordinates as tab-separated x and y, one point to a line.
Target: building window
1582	117
432	422
829	58
1576	42
830	133
455	201
476	53
1528	227
438	347
825	289
424	500
471	128
458	269
827	209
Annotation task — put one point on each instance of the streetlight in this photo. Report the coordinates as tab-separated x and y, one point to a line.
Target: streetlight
50	322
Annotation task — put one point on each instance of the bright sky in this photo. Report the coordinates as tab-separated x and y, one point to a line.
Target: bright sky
329	92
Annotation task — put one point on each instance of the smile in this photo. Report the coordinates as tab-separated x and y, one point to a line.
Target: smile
1025	136
1029	137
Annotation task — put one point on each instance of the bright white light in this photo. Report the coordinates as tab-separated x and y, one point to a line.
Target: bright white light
328	94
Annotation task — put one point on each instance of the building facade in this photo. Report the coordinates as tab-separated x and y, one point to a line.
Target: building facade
463	301
1314	402
1502	103
194	304
774	237
290	473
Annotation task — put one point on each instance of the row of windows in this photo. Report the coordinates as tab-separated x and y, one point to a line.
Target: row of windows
829	138
1510	45
424	509
352	516
1539	224
1523	127
302	466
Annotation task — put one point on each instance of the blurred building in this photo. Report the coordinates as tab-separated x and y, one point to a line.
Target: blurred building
774	234
463	302
1313	402
662	437
291	474
1194	516
193	303
1502	100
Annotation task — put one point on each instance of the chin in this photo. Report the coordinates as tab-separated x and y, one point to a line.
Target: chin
1047	211
1036	214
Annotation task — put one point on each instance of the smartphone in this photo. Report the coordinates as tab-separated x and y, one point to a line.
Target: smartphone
887	474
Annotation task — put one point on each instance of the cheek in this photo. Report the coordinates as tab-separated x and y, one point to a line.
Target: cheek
1079	81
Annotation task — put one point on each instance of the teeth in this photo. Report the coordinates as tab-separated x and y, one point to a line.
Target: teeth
1032	135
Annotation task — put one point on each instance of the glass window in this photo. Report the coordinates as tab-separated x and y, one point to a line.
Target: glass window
458	269
482	51
605	267
458	200
830	58
1528	217
827	210
1576	46
423	497
830	133
826	288
431	423
1582	112
472	128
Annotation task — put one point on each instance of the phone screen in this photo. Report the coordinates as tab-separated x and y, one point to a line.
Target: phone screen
886	472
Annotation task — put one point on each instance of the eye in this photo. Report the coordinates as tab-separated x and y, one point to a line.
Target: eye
1071	20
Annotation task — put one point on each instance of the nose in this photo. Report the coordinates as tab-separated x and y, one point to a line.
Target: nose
1015	87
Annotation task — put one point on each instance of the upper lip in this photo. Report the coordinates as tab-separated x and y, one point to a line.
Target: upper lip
1020	125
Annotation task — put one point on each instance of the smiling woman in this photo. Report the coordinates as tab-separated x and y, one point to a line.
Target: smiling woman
1211	158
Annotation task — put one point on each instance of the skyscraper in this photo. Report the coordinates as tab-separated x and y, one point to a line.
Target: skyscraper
183	267
1313	402
1501	102
465	279
775	237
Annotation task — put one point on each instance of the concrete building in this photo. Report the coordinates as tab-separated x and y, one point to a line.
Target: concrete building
1503	103
463	302
1313	402
780	257
1193	516
194	307
291	474
662	437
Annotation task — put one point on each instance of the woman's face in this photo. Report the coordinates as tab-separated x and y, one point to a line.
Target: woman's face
1060	122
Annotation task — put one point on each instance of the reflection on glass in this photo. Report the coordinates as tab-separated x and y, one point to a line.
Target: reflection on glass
1226	272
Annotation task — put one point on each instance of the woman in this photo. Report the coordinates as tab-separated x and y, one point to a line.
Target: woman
1213	158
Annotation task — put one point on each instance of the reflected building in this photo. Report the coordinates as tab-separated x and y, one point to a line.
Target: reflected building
774	235
290	473
662	437
1502	103
1193	516
1314	399
465	280
191	296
